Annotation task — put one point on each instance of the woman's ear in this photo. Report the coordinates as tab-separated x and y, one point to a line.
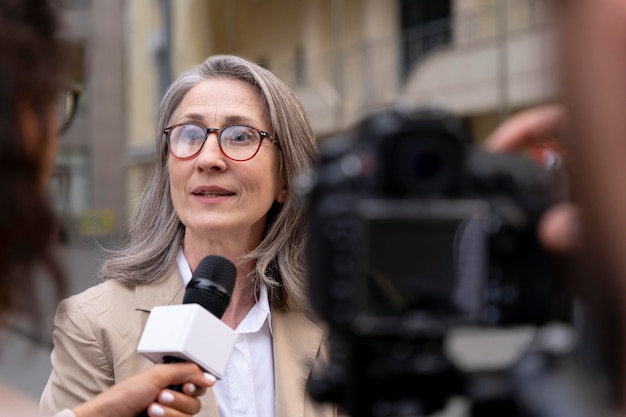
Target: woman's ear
282	194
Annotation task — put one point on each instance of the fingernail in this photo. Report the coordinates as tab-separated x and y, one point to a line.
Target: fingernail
210	377
166	397
157	410
191	388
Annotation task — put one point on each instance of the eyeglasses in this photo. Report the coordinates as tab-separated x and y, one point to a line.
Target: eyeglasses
72	81
65	109
237	142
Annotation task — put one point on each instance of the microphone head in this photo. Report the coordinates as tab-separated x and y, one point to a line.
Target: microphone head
212	284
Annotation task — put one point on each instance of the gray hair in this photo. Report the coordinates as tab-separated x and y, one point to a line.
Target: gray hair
156	233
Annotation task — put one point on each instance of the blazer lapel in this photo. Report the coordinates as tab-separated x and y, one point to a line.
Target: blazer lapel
296	342
165	291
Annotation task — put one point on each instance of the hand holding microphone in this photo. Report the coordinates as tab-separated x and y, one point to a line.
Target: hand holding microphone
130	396
193	331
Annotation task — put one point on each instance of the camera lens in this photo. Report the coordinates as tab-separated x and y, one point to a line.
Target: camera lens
426	164
422	165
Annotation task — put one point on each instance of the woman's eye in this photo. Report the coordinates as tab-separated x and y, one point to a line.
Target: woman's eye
193	134
240	138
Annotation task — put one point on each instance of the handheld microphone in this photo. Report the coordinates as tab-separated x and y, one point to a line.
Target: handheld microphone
193	331
212	284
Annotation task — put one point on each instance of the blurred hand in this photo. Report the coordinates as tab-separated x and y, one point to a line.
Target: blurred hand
528	128
147	390
559	229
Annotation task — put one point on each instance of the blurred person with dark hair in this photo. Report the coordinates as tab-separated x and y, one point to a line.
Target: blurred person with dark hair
231	139
31	62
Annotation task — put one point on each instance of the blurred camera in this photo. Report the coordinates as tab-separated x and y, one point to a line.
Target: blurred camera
412	230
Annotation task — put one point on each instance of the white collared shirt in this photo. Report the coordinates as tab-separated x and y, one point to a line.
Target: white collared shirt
247	388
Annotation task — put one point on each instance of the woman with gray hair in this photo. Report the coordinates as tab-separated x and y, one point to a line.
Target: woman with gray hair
231	140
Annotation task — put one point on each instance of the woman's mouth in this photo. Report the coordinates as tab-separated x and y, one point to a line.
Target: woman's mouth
212	192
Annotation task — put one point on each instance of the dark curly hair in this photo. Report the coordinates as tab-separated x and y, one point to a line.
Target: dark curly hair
30	65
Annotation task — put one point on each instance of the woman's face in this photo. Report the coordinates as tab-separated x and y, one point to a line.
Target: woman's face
40	139
214	196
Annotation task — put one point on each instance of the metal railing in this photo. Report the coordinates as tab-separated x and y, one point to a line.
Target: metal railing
369	74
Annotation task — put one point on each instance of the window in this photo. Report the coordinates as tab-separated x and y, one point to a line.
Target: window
425	25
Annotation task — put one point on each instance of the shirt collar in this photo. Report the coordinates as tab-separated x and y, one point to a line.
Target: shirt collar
261	310
183	268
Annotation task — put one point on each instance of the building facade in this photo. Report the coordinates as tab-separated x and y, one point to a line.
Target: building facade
89	179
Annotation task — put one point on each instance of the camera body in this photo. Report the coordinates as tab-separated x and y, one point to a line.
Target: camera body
412	230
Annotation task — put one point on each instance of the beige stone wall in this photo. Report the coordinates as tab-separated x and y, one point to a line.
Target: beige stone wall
107	114
192	33
475	20
143	22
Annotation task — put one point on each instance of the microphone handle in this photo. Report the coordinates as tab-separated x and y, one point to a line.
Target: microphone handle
178	388
174	359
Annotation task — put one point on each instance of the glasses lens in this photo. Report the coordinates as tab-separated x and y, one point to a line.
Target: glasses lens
64	109
186	140
240	142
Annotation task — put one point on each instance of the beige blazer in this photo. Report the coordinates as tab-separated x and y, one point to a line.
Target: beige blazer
96	335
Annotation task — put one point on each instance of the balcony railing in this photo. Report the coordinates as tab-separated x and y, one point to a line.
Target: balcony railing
370	74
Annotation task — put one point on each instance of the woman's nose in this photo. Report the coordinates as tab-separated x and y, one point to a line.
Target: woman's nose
211	156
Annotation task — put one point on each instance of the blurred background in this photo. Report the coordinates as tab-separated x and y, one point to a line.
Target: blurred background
482	59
